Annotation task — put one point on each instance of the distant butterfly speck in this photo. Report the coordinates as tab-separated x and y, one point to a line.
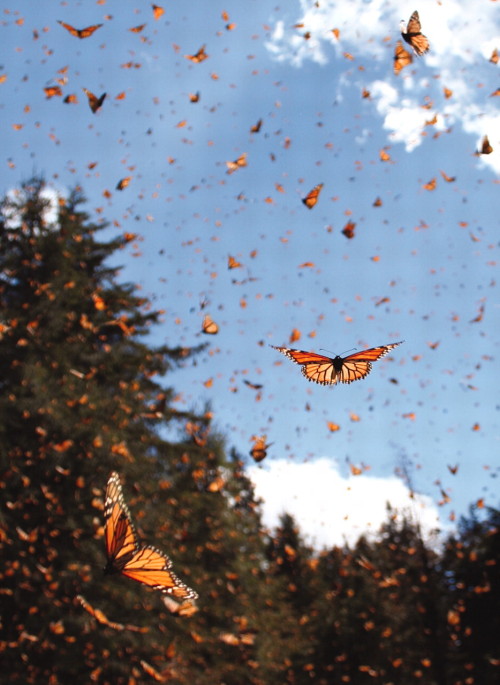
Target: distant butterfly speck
328	370
412	35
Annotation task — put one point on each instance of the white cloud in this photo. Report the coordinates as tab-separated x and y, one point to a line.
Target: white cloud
462	40
332	509
50	213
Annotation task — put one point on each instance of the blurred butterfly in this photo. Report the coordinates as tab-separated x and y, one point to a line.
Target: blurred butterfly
402	57
348	230
200	56
328	371
158	11
101	618
152	672
448	179
486	148
95	103
137	29
187	608
123	183
209	326
147	564
52	91
312	197
259	449
237	164
233	263
80	33
412	35
256	127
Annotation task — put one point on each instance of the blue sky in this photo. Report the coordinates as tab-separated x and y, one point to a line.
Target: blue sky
419	267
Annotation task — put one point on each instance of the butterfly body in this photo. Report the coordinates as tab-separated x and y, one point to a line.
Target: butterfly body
413	36
144	564
330	370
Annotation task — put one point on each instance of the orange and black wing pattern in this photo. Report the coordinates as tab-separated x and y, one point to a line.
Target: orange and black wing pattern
413	36
146	564
95	103
330	370
402	57
209	326
486	148
260	447
80	33
200	56
312	197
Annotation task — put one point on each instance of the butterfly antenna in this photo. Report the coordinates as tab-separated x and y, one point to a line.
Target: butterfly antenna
340	355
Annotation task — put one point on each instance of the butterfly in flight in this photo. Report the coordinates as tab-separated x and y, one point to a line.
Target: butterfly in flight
237	164
209	326
146	564
259	448
486	148
95	103
412	35
312	197
328	370
402	57
80	33
198	57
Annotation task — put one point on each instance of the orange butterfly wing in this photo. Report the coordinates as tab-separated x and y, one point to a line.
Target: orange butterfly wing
312	197
315	367
209	326
80	33
328	371
414	37
147	564
95	103
402	57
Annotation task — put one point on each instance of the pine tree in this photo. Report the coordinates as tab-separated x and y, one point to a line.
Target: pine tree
472	560
81	396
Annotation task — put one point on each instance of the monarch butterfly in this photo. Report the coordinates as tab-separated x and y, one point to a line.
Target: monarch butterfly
259	449
412	35
80	33
200	56
256	127
147	564
123	182
448	179
137	29
348	230
209	326
101	618
402	57
158	11
237	164
52	91
328	371
312	197
486	148
233	263
187	608
95	103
